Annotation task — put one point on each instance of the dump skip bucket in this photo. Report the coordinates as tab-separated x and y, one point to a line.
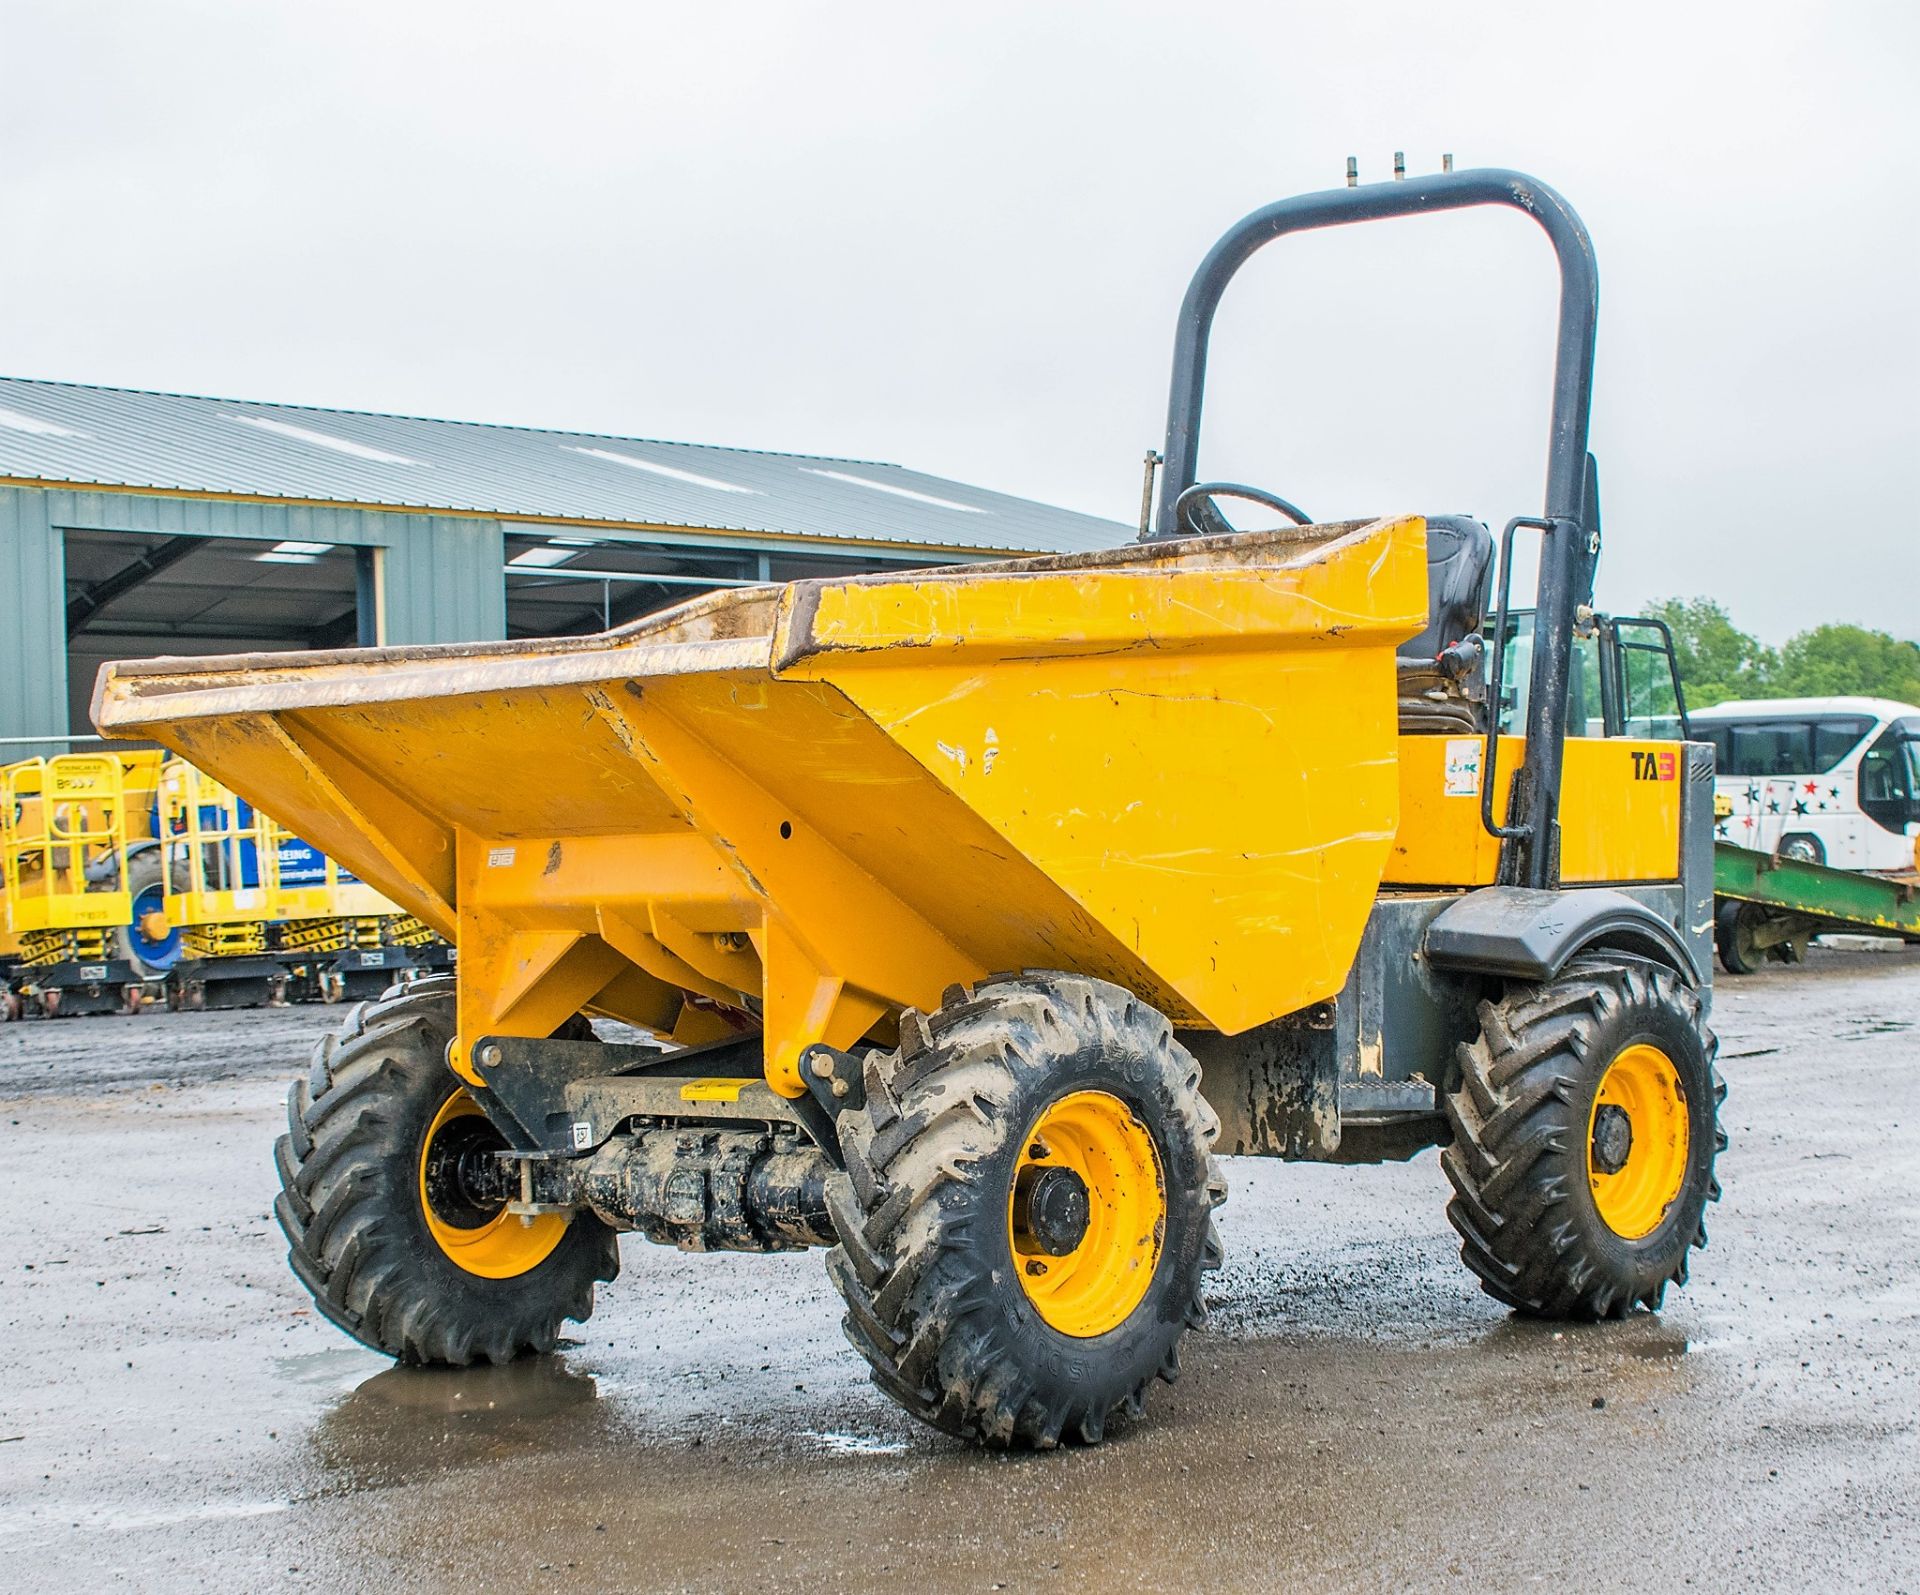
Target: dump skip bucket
804	807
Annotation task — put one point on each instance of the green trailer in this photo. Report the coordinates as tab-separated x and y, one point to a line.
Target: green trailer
1625	682
1770	907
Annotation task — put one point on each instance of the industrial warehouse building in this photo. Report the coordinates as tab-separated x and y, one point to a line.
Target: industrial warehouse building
136	523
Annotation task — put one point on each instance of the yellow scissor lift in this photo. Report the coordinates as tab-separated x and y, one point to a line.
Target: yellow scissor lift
119	870
266	917
75	881
222	893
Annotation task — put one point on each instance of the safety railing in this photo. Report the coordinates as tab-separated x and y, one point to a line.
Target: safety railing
222	864
311	886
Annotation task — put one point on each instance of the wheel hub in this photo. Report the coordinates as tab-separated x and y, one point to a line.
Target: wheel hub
1056	1208
1637	1141
465	1182
465	1189
1086	1214
1612	1138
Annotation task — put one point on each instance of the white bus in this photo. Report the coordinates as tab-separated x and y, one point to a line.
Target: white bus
1831	780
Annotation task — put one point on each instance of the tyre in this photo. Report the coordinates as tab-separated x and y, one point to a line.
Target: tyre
1585	1124
1737	928
1733	937
395	1211
1026	1215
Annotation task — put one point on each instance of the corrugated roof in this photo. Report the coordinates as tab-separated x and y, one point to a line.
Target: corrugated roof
170	442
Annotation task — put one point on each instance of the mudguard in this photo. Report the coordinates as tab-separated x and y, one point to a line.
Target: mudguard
1528	934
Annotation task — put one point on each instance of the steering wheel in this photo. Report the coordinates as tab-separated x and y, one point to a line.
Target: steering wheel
1196	510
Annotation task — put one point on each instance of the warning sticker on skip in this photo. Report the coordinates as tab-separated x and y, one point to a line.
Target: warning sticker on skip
1463	766
502	857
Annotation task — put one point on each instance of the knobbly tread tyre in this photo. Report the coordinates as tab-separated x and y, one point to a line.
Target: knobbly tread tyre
924	1261
1520	1114
349	1201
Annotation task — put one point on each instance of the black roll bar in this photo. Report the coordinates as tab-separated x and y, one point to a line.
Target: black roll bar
1530	852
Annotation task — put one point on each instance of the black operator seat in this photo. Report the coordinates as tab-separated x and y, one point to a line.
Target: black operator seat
1442	681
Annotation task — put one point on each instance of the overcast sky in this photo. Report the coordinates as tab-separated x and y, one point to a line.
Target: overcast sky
955	237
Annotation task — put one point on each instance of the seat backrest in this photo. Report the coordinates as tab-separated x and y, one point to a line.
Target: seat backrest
1459	584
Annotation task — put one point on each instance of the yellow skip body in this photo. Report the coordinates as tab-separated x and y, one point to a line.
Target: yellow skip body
828	801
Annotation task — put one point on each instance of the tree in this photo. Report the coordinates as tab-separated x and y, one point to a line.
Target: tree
1835	659
1717	660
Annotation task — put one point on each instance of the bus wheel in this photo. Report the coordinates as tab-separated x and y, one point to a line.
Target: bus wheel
1805	848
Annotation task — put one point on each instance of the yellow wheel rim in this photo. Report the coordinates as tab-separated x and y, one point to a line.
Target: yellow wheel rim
482	1239
1637	1135
1095	1138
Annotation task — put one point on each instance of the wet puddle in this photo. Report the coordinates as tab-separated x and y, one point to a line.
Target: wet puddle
855	1445
408	1423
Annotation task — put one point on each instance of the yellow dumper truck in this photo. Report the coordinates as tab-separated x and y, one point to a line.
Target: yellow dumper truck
979	910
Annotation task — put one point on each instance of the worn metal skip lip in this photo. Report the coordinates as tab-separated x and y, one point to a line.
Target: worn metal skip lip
770	627
1243	591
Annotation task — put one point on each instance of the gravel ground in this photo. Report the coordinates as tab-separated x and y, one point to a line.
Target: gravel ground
1359	1417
